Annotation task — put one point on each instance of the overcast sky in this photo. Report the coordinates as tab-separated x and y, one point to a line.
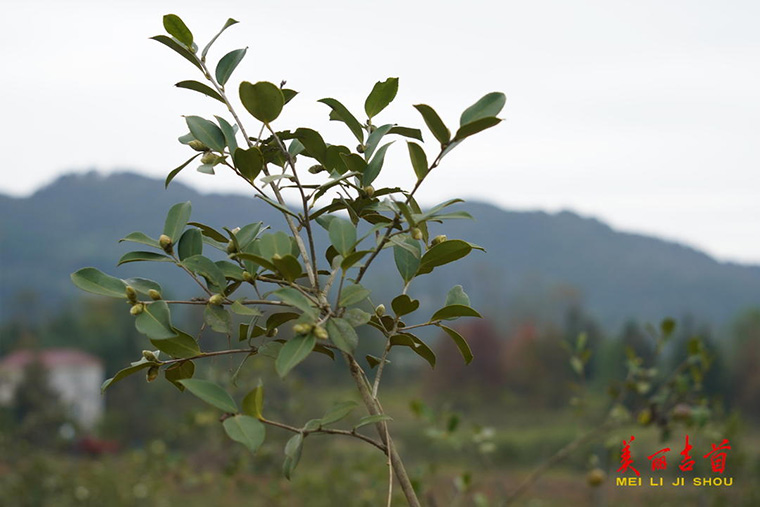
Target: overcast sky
644	114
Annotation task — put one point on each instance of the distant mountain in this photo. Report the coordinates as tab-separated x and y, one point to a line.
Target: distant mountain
532	258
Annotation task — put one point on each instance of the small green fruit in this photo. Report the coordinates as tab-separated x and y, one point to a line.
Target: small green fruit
150	356
208	158
231	248
369	190
276	257
247	277
197	145
165	242
216	300
154	294
302	328
137	309
131	294
380	310
438	239
272	332
416	233
360	148
152	374
316	169
595	477
321	333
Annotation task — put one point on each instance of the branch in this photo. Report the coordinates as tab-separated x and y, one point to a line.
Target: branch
329	431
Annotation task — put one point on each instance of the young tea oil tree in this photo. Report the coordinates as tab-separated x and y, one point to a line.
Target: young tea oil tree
304	301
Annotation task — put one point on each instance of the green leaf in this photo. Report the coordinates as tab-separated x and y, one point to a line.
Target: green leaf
407	132
372	419
245	429
404	305
180	371
126	372
372	360
228	24
340	113
95	281
490	104
253	403
143	256
289	267
139	237
444	253
381	95
227	65
176	220
419	159
407	258
211	394
181	50
206	169
355	163
352	258
292	454
229	134
278	243
356	317
342	235
217	318
155	321
434	123
263	100
453	312
206	268
375	165
200	88
417	345
342	334
181	346
313	143
457	296
352	294
249	162
206	132
176	171
241	309
177	29
473	128
190	243
277	319
338	412
460	342
209	232
293	352
374	139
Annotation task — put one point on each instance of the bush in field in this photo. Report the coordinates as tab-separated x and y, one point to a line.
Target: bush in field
277	294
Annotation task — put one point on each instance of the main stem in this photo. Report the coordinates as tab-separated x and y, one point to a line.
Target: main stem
371	403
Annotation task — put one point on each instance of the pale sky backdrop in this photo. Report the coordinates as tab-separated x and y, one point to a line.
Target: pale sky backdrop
644	114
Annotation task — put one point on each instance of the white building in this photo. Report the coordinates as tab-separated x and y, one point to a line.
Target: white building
75	375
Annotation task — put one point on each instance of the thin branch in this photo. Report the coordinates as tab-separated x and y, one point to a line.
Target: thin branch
329	431
202	355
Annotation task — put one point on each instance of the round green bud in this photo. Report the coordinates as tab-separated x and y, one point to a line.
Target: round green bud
416	233
369	190
165	242
131	294
247	277
150	356
154	294
321	333
197	145
438	239
216	300
231	248
302	328
208	158
316	169
137	309
272	332
380	310
595	477
276	257
360	148
152	374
